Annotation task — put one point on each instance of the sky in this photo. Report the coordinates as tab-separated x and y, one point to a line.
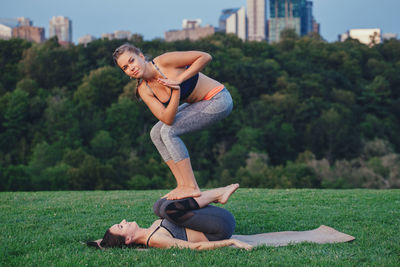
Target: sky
151	18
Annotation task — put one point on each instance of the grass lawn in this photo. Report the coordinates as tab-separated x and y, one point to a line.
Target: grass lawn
49	228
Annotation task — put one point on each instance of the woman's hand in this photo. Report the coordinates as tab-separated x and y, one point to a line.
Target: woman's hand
169	83
240	244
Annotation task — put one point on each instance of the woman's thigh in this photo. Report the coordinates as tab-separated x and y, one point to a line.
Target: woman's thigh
199	115
215	222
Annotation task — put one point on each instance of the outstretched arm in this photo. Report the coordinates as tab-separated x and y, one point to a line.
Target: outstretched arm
162	241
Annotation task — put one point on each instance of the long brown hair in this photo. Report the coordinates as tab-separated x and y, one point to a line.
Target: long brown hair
112	240
109	240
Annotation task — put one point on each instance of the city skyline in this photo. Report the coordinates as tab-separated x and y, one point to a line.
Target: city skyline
142	18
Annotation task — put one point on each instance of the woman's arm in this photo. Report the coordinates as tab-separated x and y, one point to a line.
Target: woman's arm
197	60
163	241
164	114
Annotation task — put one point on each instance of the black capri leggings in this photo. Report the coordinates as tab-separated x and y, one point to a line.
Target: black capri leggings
216	223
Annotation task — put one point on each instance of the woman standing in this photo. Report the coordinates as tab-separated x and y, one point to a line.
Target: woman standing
164	82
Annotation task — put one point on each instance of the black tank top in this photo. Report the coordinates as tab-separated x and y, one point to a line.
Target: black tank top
176	231
187	86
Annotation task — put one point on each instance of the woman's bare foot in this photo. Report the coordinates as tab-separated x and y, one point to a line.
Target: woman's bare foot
183	192
172	193
226	192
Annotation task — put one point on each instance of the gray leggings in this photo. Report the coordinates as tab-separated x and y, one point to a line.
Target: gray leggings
189	118
216	223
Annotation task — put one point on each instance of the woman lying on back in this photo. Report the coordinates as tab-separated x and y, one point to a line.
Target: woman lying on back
186	223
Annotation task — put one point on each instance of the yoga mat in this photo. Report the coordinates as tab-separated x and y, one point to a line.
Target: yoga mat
321	235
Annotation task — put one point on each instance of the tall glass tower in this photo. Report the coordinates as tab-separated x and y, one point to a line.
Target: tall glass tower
292	14
307	19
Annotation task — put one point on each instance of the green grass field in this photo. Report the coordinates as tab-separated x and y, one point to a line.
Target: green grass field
49	228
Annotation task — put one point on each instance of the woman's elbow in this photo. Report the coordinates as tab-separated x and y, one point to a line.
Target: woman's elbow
166	118
167	121
208	57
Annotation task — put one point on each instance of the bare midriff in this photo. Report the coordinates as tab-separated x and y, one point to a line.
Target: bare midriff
204	85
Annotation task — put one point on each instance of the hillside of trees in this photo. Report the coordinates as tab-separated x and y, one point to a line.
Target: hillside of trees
307	113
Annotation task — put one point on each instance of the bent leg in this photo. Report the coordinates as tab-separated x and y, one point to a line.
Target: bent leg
155	136
194	117
216	223
217	195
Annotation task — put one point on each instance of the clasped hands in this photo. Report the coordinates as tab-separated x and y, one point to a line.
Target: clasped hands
169	83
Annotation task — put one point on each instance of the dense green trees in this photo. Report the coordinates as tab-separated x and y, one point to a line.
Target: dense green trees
307	113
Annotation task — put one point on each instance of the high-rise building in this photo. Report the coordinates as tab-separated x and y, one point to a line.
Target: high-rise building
290	14
307	19
29	33
8	24
256	20
233	20
62	28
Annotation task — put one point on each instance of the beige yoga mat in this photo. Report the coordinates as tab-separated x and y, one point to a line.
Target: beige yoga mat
322	235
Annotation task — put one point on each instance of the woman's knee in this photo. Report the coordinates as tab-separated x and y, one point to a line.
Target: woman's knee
166	132
157	207
164	207
155	133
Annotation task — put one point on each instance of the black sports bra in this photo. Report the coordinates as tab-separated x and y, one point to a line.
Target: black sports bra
176	231
187	86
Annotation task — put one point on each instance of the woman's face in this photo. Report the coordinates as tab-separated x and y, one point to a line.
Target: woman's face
132	64
125	229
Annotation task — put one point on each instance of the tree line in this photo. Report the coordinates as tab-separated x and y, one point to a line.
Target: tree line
307	113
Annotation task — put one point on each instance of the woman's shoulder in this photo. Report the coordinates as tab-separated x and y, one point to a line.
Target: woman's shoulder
156	223
163	59
141	89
